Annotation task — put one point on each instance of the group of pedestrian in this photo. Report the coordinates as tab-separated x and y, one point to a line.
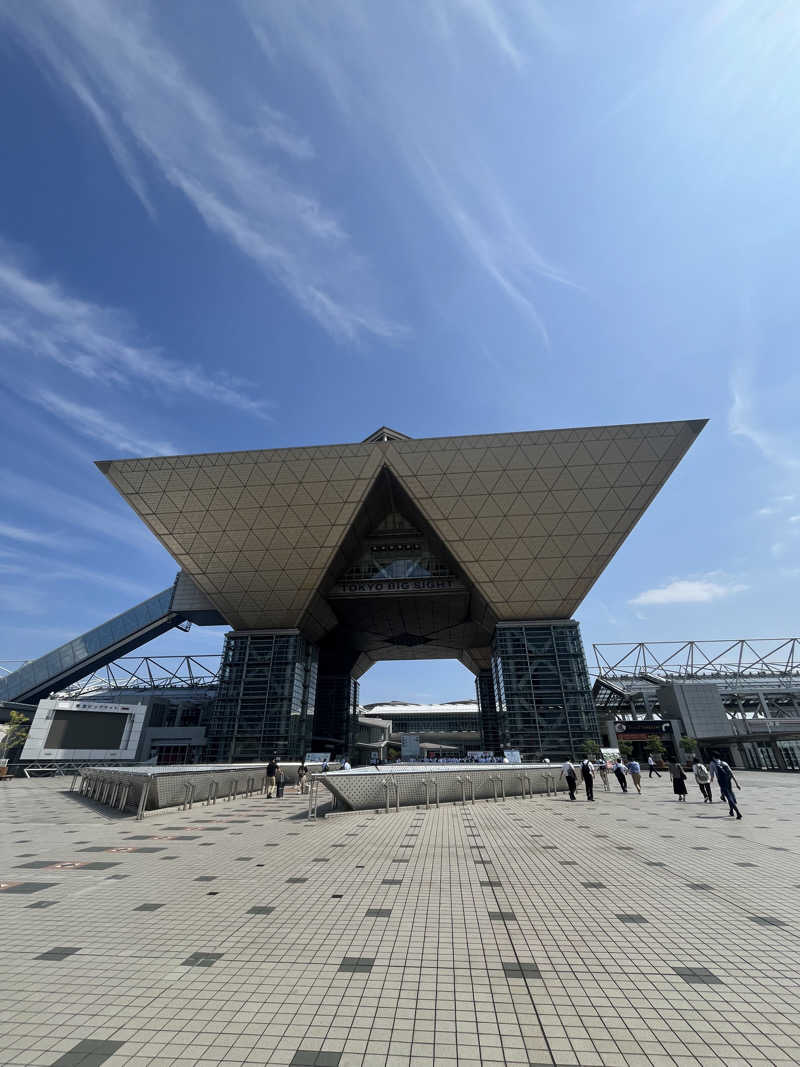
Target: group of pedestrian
703	776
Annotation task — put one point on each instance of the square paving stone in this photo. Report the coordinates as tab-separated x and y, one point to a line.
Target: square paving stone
357	963
296	881
491	883
697	975
206	878
501	916
698	885
261	909
522	970
631	917
746	864
379	913
57	953
202	959
593	885
149	907
41	904
766	920
392	881
29	887
312	1058
88	1053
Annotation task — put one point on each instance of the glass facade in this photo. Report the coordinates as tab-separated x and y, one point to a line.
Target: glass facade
86	653
489	724
266	697
541	688
336	714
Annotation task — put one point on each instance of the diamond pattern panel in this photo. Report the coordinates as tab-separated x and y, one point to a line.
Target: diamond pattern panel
533	518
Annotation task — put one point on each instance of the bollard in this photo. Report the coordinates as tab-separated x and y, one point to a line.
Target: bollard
248	789
123	796
264	785
428	783
143	799
115	788
213	788
188	796
75	778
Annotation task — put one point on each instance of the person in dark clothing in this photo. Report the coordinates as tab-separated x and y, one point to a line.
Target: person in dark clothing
723	772
272	770
619	773
568	773
280	781
587	773
678	776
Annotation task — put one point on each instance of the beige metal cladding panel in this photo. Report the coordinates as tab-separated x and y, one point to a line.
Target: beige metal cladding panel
568	498
256	536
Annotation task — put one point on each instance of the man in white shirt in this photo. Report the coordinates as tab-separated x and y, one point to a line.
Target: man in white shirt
651	766
346	764
568	773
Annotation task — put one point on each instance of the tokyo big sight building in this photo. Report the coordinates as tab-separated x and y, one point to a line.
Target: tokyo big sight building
327	559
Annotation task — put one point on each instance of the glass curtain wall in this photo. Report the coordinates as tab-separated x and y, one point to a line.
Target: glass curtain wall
544	702
266	697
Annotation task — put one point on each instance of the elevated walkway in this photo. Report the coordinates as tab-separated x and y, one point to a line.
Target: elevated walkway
94	649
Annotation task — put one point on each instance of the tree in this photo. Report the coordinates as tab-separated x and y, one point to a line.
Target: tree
689	744
590	748
625	749
14	733
656	747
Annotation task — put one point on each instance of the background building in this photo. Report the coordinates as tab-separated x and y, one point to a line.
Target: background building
452	729
741	698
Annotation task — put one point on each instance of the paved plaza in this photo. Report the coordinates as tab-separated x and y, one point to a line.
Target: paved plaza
629	931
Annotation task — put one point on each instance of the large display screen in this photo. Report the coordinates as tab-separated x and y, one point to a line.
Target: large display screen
85	729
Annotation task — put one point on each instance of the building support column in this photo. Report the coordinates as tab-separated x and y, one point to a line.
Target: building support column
544	701
487	707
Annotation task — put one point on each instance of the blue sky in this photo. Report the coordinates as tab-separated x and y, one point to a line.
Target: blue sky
272	223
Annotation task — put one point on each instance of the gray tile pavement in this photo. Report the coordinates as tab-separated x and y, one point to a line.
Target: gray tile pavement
624	932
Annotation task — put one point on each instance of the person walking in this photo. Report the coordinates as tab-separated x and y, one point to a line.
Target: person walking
603	772
723	772
568	774
587	773
345	765
678	776
272	770
635	771
651	766
280	782
302	779
703	779
619	773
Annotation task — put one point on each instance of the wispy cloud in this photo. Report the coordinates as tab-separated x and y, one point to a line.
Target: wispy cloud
401	94
72	510
154	106
96	424
276	129
26	536
39	319
743	421
689	591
